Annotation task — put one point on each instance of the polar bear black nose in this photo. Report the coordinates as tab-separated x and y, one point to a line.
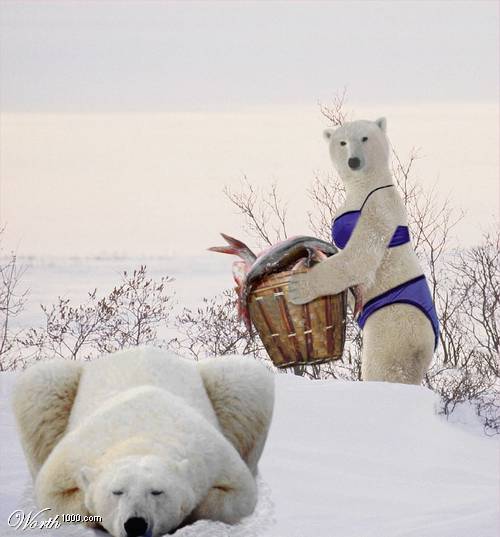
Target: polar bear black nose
354	163
135	527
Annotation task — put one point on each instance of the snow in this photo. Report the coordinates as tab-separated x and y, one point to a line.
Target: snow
343	459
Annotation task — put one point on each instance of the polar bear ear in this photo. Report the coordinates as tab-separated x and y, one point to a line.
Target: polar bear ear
382	123
327	134
86	475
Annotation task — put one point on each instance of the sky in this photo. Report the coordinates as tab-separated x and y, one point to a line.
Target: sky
121	122
149	56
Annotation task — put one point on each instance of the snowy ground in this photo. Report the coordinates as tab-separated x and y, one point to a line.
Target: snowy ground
342	460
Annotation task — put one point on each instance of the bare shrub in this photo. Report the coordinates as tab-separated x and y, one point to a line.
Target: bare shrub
477	272
466	368
335	111
12	301
128	316
215	330
264	212
327	194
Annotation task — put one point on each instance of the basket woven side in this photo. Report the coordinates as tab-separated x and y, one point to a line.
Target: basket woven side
297	335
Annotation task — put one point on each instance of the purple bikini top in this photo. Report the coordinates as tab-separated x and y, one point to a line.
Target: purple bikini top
343	226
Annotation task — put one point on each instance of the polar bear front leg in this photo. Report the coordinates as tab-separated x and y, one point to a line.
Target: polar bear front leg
242	394
357	264
398	345
233	495
42	401
57	486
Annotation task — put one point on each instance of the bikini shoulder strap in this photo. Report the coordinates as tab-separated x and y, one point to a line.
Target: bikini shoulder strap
374	190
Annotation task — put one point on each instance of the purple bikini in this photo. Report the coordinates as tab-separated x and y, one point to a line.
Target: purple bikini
415	292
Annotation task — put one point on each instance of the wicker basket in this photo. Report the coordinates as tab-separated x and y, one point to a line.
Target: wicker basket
297	335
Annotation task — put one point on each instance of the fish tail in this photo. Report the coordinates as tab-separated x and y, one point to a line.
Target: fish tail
234	242
235	247
223	250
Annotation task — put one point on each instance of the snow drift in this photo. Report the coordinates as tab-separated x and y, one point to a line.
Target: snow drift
343	459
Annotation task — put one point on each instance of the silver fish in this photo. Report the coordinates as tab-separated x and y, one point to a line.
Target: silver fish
282	256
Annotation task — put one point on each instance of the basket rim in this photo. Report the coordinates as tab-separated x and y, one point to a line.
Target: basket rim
281	279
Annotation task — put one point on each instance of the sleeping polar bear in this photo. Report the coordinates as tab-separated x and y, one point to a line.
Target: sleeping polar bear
145	439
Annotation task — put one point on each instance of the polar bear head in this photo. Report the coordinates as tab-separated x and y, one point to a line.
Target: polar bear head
138	495
359	148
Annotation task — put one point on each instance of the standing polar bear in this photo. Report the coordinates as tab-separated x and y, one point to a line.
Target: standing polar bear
145	439
398	317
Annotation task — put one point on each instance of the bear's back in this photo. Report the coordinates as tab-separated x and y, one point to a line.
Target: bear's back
121	371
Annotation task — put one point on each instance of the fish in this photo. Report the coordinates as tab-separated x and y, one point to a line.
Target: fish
289	254
235	247
283	256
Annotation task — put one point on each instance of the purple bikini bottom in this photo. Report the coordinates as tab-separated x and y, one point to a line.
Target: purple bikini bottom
415	292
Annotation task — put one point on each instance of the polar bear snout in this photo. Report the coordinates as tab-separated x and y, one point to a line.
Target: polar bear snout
139	495
135	527
359	148
354	163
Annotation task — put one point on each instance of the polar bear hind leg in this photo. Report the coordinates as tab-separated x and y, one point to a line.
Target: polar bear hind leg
242	394
398	344
42	401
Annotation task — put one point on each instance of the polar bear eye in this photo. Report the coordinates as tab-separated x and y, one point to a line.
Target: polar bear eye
364	139
342	143
117	492
156	492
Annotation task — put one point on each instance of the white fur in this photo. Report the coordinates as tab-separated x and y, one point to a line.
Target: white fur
398	340
102	437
